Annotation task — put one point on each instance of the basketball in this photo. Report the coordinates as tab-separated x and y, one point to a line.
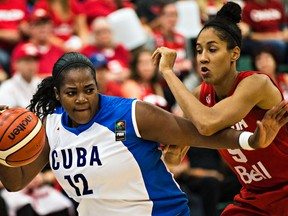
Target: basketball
22	137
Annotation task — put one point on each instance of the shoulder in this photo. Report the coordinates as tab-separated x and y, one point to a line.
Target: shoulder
253	80
7	84
255	76
114	101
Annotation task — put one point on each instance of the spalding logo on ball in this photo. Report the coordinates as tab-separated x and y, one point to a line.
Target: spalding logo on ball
22	137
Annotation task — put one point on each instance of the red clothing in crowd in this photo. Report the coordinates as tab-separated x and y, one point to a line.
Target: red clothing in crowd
48	56
12	13
63	28
48	59
117	57
178	43
268	17
96	8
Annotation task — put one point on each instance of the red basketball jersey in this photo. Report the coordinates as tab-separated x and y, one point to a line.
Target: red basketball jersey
261	170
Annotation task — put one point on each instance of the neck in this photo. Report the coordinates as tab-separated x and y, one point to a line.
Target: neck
222	89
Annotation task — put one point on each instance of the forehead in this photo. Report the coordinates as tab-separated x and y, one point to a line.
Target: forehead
78	76
209	36
170	8
100	24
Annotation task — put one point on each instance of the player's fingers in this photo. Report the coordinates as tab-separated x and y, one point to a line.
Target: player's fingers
154	54
260	126
156	57
283	121
282	110
274	111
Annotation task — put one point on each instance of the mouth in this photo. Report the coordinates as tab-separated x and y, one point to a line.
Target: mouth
204	70
81	109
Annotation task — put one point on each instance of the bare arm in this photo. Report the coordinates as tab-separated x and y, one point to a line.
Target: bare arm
256	90
159	125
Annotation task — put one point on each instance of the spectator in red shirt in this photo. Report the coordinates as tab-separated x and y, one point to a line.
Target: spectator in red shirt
117	54
167	36
98	8
264	23
144	82
13	26
70	25
105	85
41	30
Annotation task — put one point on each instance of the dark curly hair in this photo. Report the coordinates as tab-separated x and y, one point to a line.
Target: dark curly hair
44	100
225	24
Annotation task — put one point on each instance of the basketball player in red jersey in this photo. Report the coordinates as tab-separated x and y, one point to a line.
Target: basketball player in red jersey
229	98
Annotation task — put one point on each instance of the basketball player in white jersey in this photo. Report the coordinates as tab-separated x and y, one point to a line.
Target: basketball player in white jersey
104	150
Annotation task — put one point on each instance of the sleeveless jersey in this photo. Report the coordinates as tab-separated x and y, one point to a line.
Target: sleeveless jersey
260	170
108	168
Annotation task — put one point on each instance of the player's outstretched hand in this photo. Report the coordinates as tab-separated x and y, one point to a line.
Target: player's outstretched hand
270	125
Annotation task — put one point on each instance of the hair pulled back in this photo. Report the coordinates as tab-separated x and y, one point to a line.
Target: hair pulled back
44	100
225	24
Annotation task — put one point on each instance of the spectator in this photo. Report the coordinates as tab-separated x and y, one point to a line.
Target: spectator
167	36
102	8
144	82
205	178
194	201
13	26
264	23
38	198
3	74
18	90
70	24
266	59
106	85
41	30
148	11
209	8
117	55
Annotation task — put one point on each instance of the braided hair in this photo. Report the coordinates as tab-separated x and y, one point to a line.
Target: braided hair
44	101
225	24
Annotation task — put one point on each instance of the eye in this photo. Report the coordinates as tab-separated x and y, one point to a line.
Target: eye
90	90
70	93
198	51
212	49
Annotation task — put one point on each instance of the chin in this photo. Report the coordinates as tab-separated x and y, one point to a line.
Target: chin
207	80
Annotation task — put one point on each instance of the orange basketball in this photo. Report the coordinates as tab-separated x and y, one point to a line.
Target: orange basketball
22	137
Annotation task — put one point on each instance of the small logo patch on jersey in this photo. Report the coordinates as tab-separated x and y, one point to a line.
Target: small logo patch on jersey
208	98
120	130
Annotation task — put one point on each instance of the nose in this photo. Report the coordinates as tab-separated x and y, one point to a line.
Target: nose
202	57
81	99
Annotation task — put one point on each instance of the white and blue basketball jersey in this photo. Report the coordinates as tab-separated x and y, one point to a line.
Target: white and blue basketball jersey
108	168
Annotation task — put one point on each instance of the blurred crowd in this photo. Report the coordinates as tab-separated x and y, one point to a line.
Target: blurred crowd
119	37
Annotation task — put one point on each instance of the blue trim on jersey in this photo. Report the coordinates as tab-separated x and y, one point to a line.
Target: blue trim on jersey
167	198
148	157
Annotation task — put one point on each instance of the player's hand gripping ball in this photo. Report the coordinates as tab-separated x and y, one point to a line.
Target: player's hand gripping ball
22	137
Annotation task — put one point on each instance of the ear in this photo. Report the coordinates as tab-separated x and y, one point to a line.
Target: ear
235	54
57	95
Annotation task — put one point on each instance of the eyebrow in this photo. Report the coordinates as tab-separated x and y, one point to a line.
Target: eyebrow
210	42
72	87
